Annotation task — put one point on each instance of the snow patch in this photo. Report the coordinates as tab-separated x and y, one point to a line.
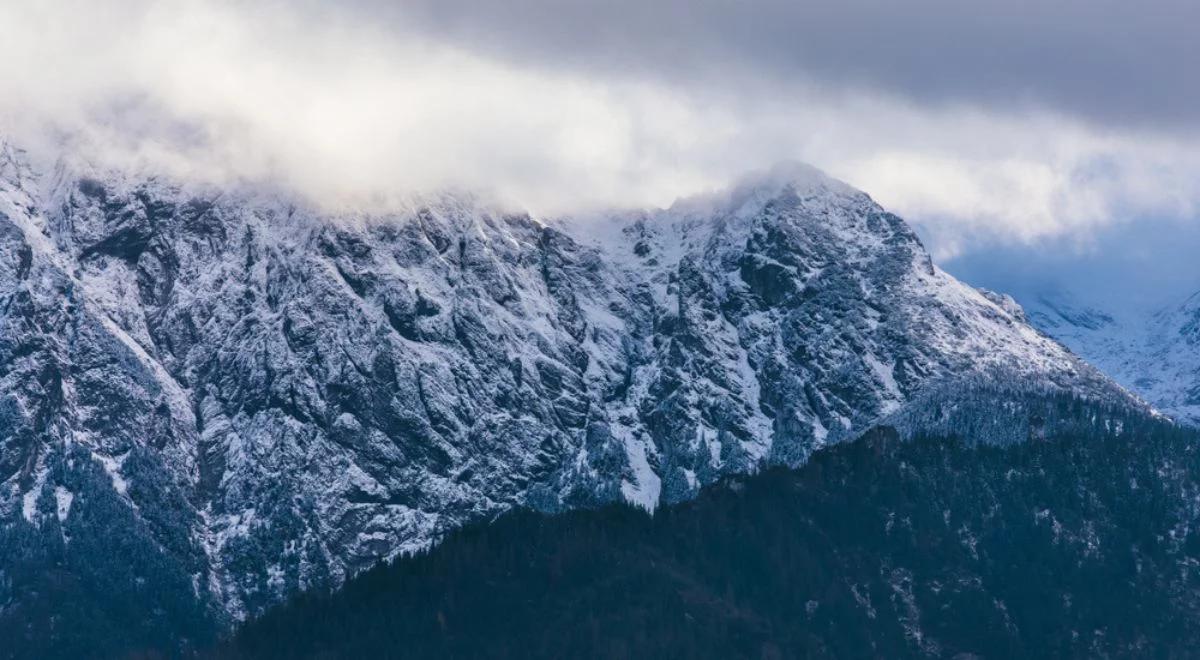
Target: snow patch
690	476
113	467
646	488
885	376
29	502
63	499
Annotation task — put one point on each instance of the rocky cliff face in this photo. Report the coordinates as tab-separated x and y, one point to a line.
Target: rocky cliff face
268	397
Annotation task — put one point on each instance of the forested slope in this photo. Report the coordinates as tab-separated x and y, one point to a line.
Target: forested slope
1081	544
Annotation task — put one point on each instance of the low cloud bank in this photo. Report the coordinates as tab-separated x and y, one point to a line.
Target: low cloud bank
356	104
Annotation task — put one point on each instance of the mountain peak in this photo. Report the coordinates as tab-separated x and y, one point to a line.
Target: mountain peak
753	190
799	176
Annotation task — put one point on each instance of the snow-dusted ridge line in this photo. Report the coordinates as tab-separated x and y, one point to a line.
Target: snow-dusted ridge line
308	393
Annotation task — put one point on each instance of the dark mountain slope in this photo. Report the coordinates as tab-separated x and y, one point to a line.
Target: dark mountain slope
1084	544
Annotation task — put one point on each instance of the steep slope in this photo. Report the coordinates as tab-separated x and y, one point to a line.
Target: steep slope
276	397
1155	354
1081	545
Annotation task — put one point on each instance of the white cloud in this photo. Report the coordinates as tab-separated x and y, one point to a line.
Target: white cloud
345	110
1036	181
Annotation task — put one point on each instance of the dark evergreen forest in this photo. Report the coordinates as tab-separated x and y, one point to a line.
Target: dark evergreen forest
1080	544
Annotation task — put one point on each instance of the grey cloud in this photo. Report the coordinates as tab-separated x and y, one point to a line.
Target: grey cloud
1109	61
1139	265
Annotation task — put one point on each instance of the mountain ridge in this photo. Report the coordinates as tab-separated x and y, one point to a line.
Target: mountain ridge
312	393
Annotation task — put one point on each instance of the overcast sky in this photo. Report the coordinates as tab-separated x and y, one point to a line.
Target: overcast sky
986	123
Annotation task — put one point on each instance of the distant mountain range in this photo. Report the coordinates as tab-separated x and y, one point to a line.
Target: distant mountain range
1154	354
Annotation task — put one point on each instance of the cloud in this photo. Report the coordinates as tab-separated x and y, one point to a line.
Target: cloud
1133	268
1002	123
331	105
1109	60
1032	181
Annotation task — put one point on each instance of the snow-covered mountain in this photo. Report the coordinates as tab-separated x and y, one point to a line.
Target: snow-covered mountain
1155	354
244	396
